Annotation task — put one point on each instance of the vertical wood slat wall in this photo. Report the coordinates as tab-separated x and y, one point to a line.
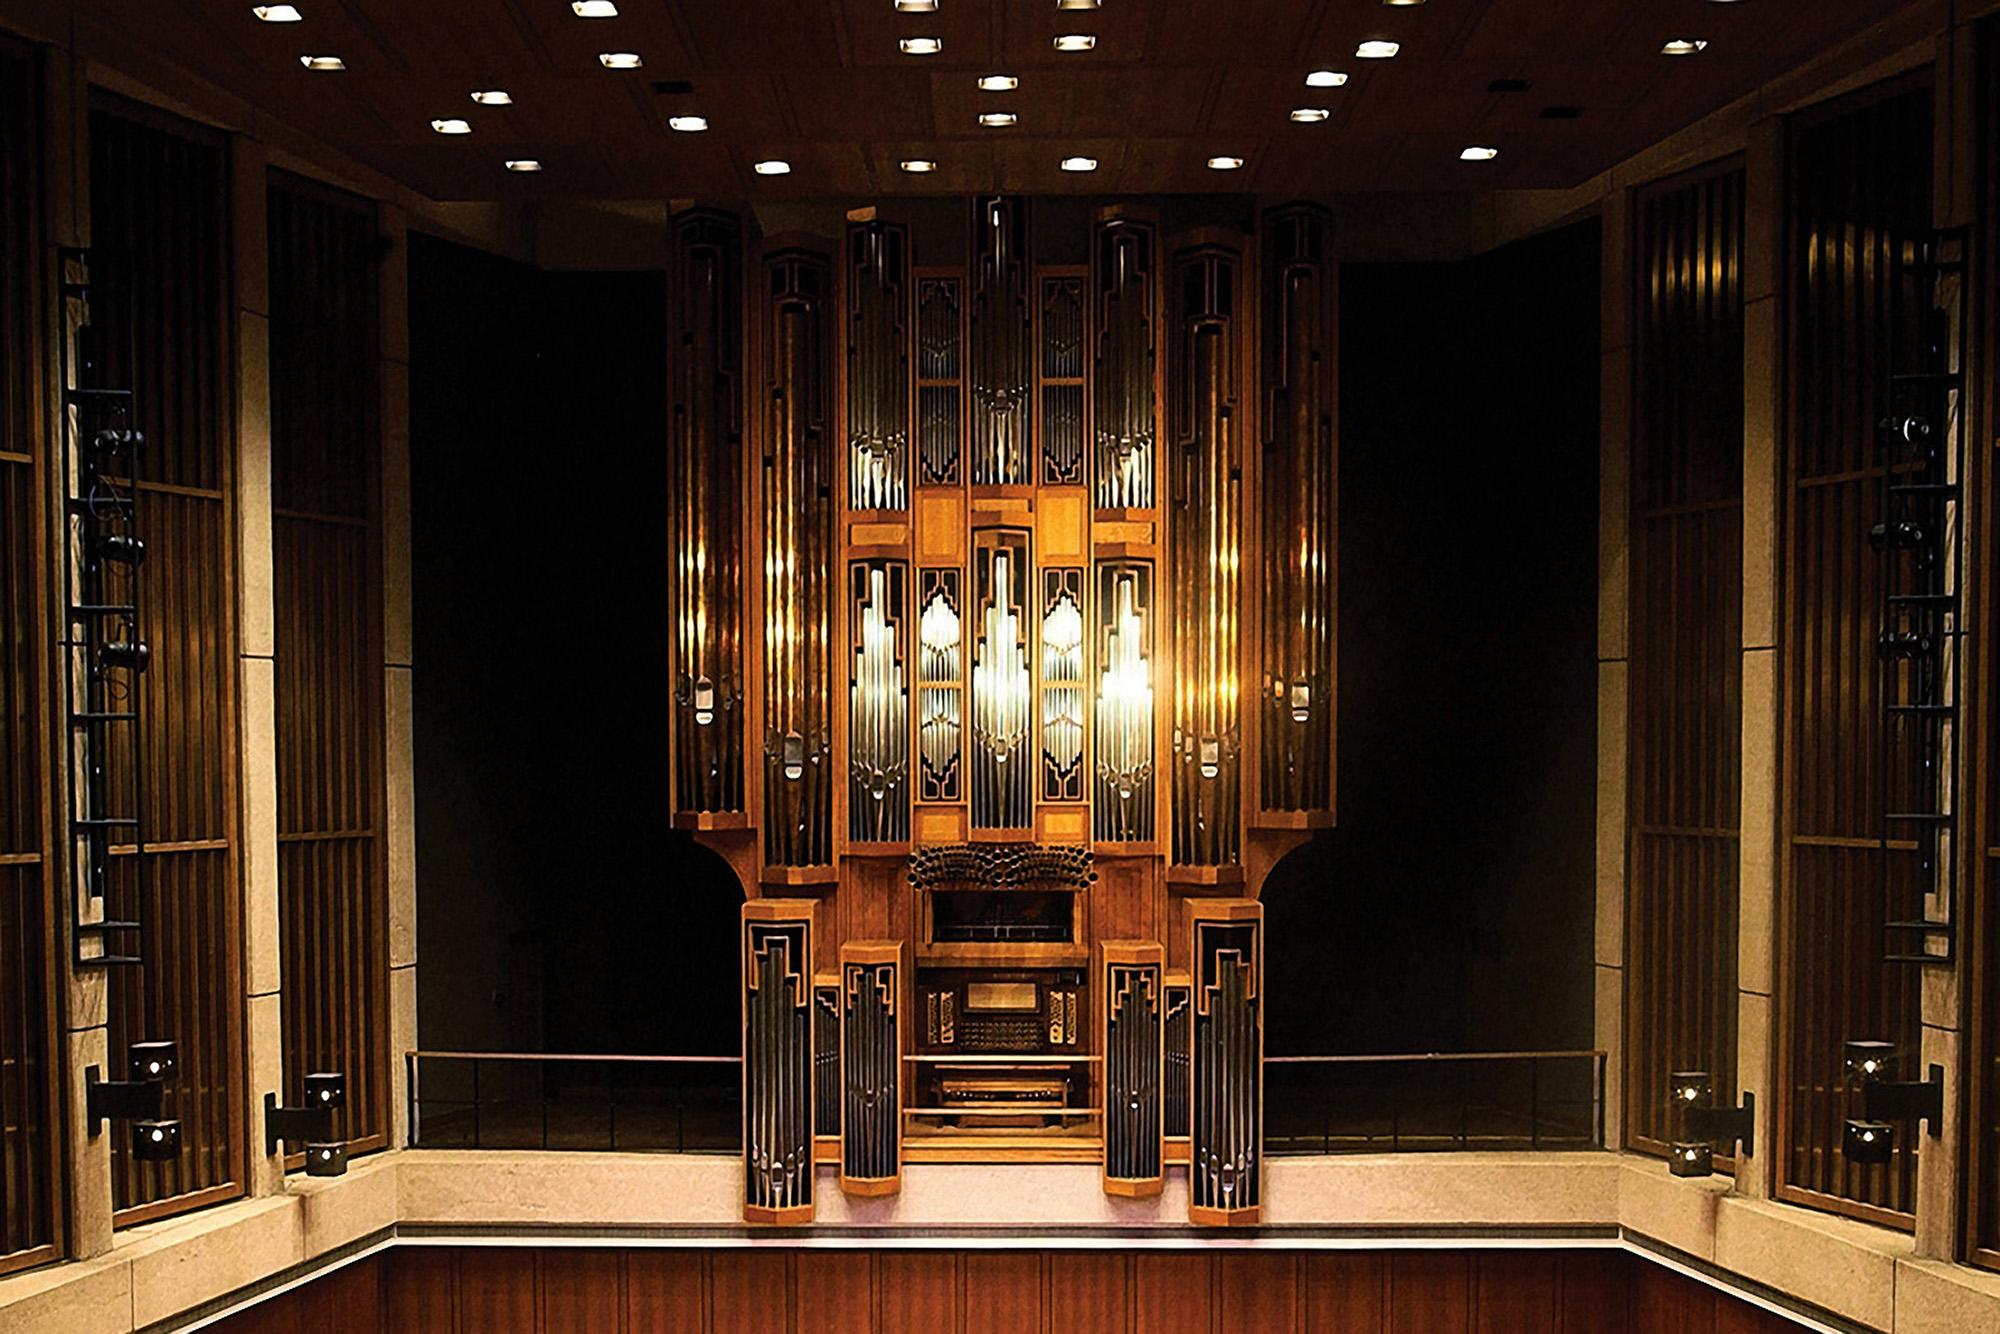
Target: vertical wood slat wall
1982	790
1859	175
328	613
158	192
27	1018
1685	723
451	1290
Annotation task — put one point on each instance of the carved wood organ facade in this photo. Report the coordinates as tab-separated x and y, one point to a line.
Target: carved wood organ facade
1004	598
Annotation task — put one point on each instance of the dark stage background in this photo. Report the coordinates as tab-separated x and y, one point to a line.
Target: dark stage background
1451	909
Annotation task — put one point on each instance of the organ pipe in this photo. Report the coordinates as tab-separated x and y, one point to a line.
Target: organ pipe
777	1061
1001	319
1062	685
1226	1149
1204	549
878	709
940	314
1298	511
706	468
871	1062
878	366
1061	374
1122	392
1002	702
1123	735
940	706
798	560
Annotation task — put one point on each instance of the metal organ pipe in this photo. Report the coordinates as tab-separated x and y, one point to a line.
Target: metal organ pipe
1124	706
878	724
1002	797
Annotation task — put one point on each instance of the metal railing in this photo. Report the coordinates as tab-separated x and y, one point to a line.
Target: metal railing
1519	1101
526	1100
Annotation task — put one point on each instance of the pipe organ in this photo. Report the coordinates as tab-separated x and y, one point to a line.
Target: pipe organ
978	579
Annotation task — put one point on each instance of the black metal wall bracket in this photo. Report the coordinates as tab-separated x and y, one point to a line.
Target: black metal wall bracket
118	1100
1908	1101
1724	1125
297	1125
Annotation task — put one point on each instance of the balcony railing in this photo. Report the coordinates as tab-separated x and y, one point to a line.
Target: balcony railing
1500	1100
1518	1101
519	1100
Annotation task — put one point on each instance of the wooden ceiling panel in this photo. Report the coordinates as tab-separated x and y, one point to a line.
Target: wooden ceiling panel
820	84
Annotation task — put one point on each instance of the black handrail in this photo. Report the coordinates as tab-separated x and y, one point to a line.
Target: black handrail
571	1101
1432	1101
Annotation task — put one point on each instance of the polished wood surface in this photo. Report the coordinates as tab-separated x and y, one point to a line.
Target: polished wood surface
823	86
28	1157
327	609
158	188
525	1290
1982	793
1685	692
1860	175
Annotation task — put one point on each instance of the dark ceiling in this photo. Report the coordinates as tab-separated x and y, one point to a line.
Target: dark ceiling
823	86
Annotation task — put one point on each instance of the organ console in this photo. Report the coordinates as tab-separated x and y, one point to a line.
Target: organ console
1011	554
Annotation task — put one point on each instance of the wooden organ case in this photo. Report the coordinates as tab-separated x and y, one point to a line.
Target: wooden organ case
1004	653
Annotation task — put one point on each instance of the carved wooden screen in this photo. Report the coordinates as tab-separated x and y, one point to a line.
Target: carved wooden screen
871	1067
1134	1049
327	599
778	1147
27	1018
1860	178
1686	635
1226	1123
158	227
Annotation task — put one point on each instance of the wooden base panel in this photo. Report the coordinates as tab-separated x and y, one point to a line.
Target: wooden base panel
1205	1217
1175	1151
826	1149
793	1216
1129	1189
1002	1148
870	1187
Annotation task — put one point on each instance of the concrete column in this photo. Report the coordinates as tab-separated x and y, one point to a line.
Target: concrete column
82	993
397	714
1613	646
263	1049
1757	848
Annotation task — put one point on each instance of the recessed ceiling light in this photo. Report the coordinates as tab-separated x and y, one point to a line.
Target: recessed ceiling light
687	124
277	13
1400	3
998	83
918	165
619	59
323	62
1225	163
772	167
917	6
451	125
1377	50
1075	41
1079	164
594	9
920	46
1326	78
524	164
1683	46
1076	4
1310	115
997	119
493	97
1478	153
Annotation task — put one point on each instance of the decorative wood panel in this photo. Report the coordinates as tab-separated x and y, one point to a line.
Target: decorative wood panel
1122	740
878	366
1124	284
777	1061
799	562
1131	973
1226	1123
706	461
1204	546
871	1067
1860	179
28	1086
940	377
1299	510
1000	329
878	694
158	229
328	616
1685	693
1002	779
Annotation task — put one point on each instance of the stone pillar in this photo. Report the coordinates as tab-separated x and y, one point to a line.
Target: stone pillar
257	772
401	833
1613	646
1757	848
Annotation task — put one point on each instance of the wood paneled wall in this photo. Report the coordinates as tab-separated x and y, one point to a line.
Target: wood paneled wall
158	192
328	615
1860	175
27	1086
1686	636
442	1290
